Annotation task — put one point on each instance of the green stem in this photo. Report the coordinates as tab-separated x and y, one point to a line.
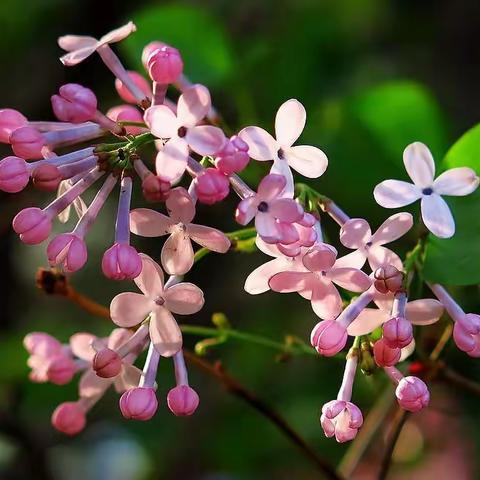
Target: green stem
126	123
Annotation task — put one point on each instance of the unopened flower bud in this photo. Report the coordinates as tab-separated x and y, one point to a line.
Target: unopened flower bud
74	103
32	225
412	394
13	174
127	113
165	65
182	400
69	418
10	120
121	262
27	143
155	189
139	403
139	80
107	363
328	337
68	251
149	49
233	157
388	279
384	355
61	370
46	177
397	332
211	186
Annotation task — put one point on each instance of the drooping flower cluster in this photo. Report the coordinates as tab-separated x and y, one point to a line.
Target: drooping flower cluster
186	137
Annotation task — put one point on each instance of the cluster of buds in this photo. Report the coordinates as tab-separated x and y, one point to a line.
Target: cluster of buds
186	138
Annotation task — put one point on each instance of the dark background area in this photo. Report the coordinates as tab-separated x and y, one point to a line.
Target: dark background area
374	75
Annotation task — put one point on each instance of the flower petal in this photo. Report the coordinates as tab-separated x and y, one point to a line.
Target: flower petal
165	333
367	321
162	121
424	311
326	301
437	216
74	58
81	345
119	33
407	351
128	378
271	186
286	210
205	139
267	248
70	43
246	210
150	280
129	309
320	258
171	161
287	282
149	223
184	298
281	167
355	259
91	385
193	105
261	145
309	161
257	281
209	237
267	227
393	228
456	181
350	279
180	206
419	164
395	193
355	233
177	253
290	122
380	256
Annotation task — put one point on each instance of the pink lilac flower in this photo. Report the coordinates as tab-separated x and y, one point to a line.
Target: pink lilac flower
139	403
388	279
341	418
10	120
233	158
177	252
356	234
274	214
384	355
289	124
69	418
319	279
411	392
46	177
183	131
420	167
307	236
157	301
211	186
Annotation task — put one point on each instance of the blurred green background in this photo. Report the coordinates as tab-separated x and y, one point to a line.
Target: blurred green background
374	76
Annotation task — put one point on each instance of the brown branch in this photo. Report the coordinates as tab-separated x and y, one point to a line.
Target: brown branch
54	282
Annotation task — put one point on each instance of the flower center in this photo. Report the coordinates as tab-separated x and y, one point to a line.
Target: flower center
182	131
427	191
280	154
159	301
263	207
368	244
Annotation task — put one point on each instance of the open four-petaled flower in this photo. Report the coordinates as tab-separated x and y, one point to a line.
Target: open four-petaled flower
157	302
177	253
420	167
289	124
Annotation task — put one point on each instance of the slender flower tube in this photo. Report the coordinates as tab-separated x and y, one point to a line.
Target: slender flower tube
335	212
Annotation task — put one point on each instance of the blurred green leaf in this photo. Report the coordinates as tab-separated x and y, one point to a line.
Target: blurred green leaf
199	36
456	261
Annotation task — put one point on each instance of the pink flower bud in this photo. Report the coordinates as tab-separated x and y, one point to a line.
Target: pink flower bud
13	174
466	334
121	262
182	400
69	418
127	113
384	355
139	80
412	394
328	337
165	65
74	103
397	332
33	225
155	189
233	157
10	120
149	49
107	363
61	369
27	143
211	186
46	177
42	344
68	251
388	279
139	403
342	419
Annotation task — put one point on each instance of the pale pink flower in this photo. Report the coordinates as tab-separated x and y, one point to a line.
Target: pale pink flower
420	167
211	186
80	47
157	302
318	281
289	124
424	311
356	234
177	252
274	214
183	131
139	403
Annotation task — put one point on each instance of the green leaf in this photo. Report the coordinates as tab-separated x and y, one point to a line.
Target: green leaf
198	35
456	261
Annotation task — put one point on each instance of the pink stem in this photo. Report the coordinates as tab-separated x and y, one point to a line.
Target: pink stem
108	123
76	168
399	304
181	374
62	159
394	374
353	310
141	169
122	225
451	306
345	392
135	342
336	213
150	367
159	92
70	136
